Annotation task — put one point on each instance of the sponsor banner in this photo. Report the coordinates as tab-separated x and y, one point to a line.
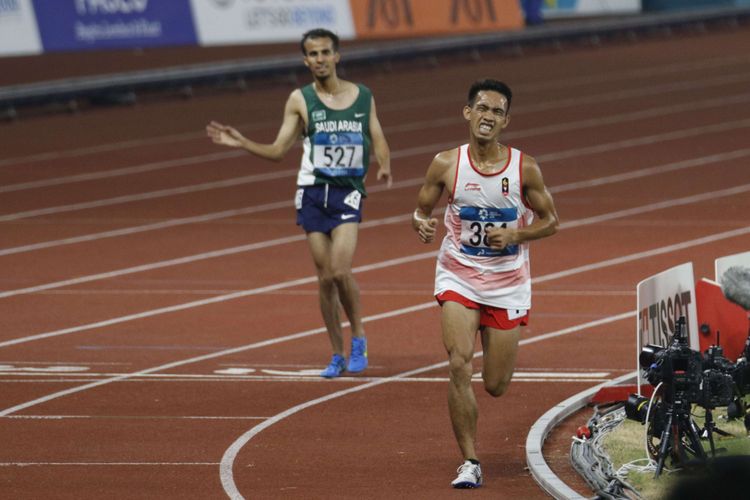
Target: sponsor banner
662	299
562	8
225	22
106	24
18	32
723	263
409	18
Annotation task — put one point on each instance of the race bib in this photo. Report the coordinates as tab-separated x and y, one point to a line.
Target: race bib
339	154
475	222
298	199
353	199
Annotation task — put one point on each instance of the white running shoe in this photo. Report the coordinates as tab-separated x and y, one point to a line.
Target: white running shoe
469	476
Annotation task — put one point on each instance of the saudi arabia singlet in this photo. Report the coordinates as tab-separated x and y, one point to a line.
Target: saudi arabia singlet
466	264
336	147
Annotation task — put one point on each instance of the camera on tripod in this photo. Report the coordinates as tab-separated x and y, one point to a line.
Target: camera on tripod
687	377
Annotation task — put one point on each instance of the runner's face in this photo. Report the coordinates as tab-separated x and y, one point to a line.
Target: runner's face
320	57
488	116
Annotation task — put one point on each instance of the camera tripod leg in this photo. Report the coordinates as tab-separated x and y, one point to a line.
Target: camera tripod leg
709	428
665	444
693	436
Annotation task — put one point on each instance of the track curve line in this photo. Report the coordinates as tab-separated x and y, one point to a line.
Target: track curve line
227	461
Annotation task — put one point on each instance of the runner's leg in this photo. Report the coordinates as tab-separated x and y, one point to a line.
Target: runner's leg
344	242
460	325
498	358
321	249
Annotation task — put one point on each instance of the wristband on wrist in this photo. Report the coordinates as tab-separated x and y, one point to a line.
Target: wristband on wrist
418	217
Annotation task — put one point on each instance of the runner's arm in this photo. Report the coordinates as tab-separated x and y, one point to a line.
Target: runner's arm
540	201
380	146
429	195
290	130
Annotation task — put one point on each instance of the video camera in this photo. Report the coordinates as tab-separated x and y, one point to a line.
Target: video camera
709	380
686	378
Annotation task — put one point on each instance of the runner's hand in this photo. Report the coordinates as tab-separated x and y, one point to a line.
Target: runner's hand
224	134
385	173
424	226
501	237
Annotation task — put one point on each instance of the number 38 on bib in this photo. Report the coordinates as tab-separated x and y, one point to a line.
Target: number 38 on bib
339	154
476	221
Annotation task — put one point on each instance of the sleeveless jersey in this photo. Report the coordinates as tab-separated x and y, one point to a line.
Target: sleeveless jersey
466	264
336	147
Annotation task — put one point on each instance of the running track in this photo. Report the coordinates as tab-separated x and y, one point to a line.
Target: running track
159	311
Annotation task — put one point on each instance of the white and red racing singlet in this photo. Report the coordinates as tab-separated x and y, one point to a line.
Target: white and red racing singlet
466	264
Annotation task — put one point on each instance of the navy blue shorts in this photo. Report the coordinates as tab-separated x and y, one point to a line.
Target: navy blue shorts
321	208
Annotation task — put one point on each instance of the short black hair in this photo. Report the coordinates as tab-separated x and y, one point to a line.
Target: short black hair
489	84
320	33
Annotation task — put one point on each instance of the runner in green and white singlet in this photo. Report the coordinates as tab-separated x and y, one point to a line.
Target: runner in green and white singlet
340	127
336	147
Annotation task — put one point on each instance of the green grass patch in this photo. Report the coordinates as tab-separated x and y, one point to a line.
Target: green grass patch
626	443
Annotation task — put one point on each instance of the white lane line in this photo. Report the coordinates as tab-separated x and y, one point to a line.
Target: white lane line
615	118
306	333
731	61
227	461
135	169
312	375
150	195
130	417
575	152
205	357
146	227
659	111
648	253
631	174
103	464
389	220
101	148
203	302
606	97
676	202
288	379
379	265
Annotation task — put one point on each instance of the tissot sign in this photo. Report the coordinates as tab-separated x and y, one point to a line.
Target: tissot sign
662	300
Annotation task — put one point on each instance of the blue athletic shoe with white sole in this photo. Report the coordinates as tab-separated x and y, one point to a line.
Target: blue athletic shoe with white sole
358	357
335	368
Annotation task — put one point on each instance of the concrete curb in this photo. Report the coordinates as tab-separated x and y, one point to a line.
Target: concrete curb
538	433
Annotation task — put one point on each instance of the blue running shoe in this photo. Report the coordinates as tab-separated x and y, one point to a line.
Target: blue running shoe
358	357
337	366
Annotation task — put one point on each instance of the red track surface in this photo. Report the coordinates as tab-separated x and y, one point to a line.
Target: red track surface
644	146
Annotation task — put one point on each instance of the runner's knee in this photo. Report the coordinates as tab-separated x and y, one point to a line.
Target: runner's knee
341	277
496	388
460	368
326	280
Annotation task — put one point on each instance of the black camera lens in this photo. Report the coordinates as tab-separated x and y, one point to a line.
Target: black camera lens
636	408
648	355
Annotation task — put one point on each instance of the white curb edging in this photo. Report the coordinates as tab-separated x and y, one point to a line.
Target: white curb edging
538	467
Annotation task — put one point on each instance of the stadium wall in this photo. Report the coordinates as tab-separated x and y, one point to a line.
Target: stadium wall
29	27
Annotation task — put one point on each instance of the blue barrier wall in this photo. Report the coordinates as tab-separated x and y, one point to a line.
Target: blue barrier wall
83	25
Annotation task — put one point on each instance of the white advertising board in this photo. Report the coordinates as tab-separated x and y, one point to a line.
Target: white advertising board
234	22
18	31
662	299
